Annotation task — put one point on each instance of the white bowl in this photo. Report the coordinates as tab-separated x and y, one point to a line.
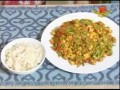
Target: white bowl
20	40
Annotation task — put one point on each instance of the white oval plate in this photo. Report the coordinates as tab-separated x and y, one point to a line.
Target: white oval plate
59	62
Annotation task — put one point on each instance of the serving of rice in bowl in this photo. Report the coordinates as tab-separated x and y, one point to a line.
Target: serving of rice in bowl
23	56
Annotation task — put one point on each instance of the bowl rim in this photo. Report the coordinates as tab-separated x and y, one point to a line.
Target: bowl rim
13	42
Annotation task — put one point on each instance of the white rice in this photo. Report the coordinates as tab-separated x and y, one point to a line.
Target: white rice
23	56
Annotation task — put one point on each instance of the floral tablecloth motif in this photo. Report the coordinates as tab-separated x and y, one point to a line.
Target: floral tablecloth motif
17	22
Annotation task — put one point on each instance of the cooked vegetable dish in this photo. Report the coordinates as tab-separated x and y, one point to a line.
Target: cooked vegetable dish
82	41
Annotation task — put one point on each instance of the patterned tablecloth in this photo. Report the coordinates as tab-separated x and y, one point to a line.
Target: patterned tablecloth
17	22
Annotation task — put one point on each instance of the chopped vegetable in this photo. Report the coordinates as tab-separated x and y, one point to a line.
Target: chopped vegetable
83	41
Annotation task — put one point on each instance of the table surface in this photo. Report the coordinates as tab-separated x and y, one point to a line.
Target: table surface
30	21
